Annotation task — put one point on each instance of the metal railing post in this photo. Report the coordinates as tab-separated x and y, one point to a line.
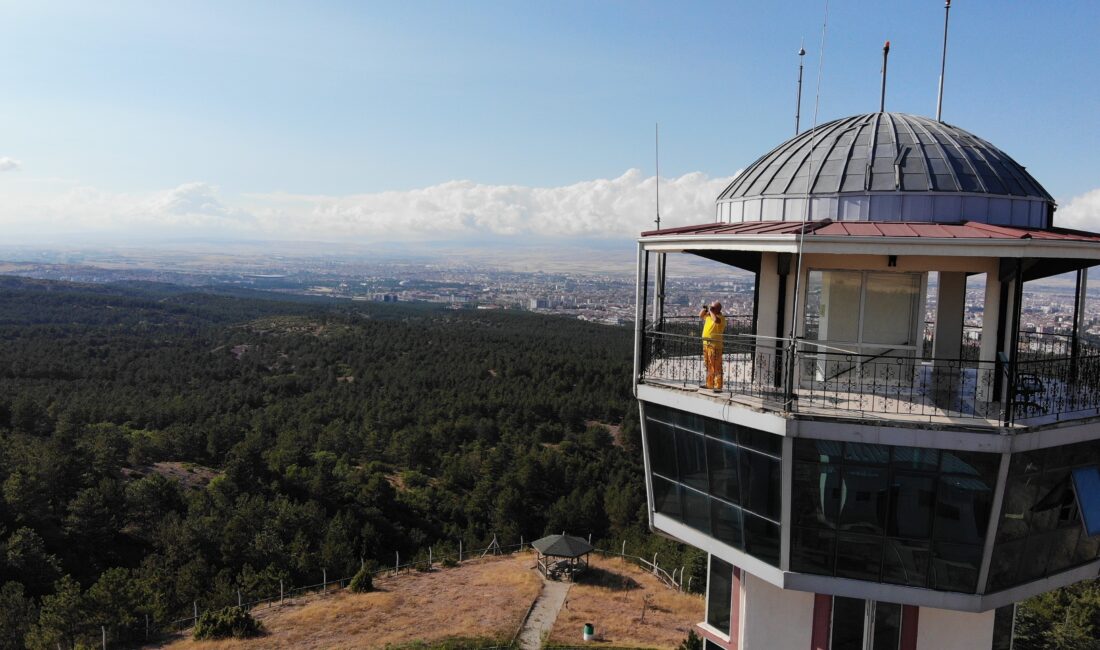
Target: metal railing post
788	375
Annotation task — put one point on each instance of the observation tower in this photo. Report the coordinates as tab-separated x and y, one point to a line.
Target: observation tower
894	459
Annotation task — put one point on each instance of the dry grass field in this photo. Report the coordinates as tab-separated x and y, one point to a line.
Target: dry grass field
612	599
479	599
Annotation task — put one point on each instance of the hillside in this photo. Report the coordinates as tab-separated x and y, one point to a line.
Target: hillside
482	601
162	449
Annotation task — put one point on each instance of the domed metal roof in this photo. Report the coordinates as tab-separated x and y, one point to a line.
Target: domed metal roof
887	166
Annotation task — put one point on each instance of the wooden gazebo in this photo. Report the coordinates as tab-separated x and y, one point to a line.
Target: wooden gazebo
561	555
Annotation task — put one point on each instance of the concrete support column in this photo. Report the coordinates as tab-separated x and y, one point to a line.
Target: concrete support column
991	315
950	308
942	629
774	618
767	312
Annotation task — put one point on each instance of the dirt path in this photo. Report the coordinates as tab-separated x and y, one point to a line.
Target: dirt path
543	614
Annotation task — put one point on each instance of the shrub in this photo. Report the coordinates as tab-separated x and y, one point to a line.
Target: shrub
692	642
362	581
224	623
449	562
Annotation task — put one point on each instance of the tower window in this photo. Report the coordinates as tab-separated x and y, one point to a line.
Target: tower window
719	594
865	625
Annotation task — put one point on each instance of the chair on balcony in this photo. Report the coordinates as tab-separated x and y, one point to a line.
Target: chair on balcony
1024	389
1027	387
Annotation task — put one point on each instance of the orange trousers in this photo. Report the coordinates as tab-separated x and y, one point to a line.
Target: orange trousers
712	355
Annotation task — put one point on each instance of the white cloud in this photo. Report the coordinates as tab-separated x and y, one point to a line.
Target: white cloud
9	164
1081	212
602	207
613	207
193	203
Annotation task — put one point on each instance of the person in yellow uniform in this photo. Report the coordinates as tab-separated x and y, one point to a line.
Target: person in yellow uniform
714	324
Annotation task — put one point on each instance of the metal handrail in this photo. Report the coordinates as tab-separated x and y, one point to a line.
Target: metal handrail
841	381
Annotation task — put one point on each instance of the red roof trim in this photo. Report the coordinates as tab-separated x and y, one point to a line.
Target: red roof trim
898	229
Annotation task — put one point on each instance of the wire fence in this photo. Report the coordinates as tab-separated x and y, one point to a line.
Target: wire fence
673	579
327	585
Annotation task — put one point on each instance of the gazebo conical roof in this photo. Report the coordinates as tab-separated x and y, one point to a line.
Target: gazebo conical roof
562	546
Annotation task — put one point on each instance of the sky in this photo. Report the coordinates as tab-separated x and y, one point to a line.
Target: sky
403	121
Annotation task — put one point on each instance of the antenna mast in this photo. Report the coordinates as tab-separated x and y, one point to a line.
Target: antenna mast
882	97
943	61
798	102
657	165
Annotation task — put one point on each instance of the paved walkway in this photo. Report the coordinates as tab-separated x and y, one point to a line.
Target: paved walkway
543	614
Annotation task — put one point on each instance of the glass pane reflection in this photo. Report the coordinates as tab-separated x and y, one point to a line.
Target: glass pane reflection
889	506
706	480
719	594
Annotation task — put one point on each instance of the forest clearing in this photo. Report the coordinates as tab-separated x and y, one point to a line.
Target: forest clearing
482	601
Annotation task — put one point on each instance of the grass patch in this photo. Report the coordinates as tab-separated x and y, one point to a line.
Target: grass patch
614	598
455	643
477	604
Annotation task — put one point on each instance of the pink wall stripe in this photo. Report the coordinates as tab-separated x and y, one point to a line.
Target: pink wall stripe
823	612
909	615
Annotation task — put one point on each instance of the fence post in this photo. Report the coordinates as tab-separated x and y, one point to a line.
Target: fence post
280	590
681	578
690	578
396	562
654	564
589	539
623	552
429	558
324	580
521	542
146	626
238	597
460	551
195	607
103	630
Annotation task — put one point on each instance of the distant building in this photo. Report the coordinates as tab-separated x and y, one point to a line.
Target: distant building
852	488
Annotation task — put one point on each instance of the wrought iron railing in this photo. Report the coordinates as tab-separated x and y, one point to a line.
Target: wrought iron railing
678	359
889	383
693	325
894	384
1029	345
1057	387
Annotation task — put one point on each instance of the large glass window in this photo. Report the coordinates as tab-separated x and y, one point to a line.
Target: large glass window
1003	621
1086	485
662	448
865	312
719	594
864	625
900	515
718	478
887	627
1040	531
849	623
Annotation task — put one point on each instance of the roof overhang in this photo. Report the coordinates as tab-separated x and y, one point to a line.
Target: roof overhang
1078	249
876	246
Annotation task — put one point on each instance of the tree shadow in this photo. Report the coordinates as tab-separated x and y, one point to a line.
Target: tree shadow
600	577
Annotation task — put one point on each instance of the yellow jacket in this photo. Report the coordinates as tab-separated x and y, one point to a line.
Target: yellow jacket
713	327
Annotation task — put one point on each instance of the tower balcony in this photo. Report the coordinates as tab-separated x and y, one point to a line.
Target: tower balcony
905	324
1051	383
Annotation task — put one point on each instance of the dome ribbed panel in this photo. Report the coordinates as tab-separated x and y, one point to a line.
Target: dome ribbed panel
885	152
